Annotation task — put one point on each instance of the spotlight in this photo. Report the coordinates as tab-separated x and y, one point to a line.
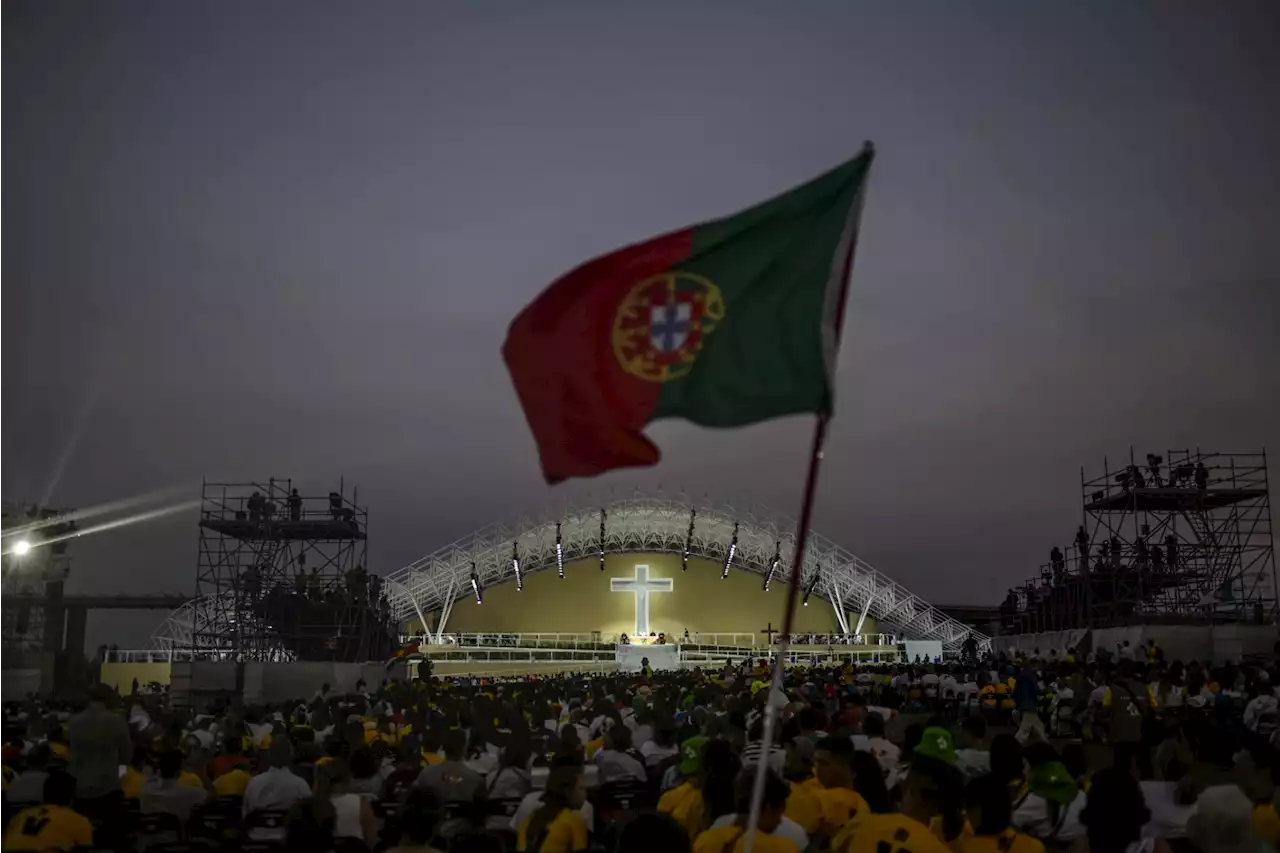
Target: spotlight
22	547
733	547
475	584
688	542
808	591
515	566
773	564
559	551
603	516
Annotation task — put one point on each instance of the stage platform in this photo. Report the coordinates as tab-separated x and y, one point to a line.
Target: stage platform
306	529
1166	500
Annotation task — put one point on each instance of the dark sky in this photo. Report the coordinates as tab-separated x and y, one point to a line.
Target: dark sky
247	239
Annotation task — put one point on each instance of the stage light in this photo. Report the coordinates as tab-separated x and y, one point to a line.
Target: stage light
22	547
809	589
603	516
728	558
515	566
475	584
559	552
688	542
773	564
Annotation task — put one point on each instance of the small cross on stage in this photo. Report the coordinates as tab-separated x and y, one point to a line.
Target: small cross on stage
769	631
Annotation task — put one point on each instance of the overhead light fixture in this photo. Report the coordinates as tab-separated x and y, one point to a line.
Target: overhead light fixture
559	552
475	584
808	591
688	542
733	548
515	566
22	547
603	516
773	564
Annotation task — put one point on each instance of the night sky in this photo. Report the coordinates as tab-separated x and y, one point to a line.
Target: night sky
244	240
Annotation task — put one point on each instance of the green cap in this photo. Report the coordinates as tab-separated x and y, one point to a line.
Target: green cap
1053	782
691	755
937	742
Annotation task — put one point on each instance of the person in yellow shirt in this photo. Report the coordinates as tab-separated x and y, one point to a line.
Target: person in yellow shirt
729	835
686	802
431	747
52	825
232	783
932	789
1266	816
555	826
803	807
838	801
135	773
1266	822
990	812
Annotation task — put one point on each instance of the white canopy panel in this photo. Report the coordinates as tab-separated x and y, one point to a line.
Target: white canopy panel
661	526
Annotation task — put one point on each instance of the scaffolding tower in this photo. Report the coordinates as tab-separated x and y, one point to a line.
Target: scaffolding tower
1179	537
281	576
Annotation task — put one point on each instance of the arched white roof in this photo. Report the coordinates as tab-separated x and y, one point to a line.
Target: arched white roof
662	526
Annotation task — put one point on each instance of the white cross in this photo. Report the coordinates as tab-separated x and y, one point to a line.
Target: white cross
641	585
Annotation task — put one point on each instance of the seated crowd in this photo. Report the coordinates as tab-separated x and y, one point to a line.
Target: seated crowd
856	760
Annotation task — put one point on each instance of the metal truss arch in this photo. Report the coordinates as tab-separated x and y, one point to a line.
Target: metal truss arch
431	583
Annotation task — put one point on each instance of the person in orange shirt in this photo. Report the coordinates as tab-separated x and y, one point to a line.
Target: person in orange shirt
732	836
52	825
990	812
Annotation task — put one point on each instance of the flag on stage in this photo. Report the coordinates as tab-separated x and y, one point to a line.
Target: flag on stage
723	324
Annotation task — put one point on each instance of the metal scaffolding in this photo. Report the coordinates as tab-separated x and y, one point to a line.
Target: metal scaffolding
1179	537
37	573
281	576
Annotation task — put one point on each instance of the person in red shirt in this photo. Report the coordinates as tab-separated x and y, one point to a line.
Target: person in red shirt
232	756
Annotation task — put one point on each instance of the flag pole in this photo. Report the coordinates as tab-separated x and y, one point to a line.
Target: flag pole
788	620
850	239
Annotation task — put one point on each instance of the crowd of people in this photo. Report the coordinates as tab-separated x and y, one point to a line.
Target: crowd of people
1111	755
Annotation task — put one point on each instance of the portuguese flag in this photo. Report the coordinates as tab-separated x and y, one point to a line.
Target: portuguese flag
723	324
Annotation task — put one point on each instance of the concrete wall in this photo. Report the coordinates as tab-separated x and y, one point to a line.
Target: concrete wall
661	658
15	684
121	675
582	602
503	668
1217	643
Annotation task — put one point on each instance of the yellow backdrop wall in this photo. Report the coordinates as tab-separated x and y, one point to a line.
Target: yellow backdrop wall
121	675
582	602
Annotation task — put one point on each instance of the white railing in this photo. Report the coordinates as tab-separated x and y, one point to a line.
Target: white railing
524	641
596	639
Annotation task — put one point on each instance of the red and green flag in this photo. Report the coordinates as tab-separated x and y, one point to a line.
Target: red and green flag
723	324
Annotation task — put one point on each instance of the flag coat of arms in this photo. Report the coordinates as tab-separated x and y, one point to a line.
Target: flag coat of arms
723	324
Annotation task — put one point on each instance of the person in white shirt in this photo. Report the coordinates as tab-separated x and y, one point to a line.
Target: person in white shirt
615	761
277	789
533	800
662	747
887	754
973	759
1262	708
776	792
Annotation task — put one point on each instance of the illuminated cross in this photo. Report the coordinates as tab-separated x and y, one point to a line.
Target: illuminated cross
640	586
